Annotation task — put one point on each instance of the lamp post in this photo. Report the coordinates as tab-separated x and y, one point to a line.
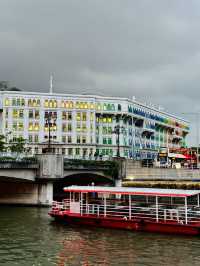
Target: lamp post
118	130
49	122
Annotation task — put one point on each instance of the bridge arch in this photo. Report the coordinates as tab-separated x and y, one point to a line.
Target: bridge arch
79	178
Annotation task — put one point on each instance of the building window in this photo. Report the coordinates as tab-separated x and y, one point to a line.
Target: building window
104	141
14	102
64	115
15	113
15	126
21	113
36	128
91	139
18	102
69	139
70	151
6	114
84	116
84	152
64	127
36	138
64	139
109	130
119	107
84	139
37	114
30	114
109	141
71	104
104	130
84	128
30	126
91	116
78	139
104	119
78	116
77	151
30	138
33	102
91	106
7	102
69	115
20	126
78	127
98	106
109	119
46	103
69	127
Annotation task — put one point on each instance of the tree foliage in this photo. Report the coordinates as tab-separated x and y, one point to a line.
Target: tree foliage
4	86
2	143
17	145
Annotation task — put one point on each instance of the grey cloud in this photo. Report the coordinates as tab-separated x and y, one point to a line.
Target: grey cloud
150	49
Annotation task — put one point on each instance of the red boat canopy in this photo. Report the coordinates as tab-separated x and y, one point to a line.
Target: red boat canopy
134	191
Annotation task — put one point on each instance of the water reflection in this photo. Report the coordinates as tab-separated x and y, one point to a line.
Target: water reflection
29	237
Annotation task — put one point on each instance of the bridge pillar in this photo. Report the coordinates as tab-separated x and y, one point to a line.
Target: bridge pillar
118	182
45	194
51	166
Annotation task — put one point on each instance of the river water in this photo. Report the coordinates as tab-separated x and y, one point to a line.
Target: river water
28	236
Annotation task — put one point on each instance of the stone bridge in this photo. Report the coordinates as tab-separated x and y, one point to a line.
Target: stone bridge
35	181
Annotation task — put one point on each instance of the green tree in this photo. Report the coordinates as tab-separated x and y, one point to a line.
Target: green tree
2	143
17	145
4	86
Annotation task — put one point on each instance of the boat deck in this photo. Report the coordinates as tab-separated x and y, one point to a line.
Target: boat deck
138	213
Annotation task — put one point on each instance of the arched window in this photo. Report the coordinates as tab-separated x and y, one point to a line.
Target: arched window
50	103
46	103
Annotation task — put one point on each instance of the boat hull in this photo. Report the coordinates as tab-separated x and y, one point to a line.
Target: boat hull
133	225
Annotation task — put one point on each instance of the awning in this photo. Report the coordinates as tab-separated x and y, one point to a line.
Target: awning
177	155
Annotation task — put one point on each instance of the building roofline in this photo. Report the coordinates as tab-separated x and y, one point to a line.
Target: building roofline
92	96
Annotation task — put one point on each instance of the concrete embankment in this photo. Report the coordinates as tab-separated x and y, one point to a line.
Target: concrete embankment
139	176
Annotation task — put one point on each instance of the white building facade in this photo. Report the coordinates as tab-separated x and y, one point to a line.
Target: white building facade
85	125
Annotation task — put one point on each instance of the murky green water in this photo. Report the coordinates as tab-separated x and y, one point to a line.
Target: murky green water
29	237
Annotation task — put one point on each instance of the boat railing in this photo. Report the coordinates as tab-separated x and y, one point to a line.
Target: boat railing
160	213
61	205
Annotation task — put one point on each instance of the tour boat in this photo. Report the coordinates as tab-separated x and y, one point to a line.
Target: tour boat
139	209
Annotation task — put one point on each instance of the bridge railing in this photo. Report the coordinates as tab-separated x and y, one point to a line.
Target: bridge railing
24	162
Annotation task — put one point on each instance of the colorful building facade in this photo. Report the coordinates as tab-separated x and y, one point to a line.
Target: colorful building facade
88	125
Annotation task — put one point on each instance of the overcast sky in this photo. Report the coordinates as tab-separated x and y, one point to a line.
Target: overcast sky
146	48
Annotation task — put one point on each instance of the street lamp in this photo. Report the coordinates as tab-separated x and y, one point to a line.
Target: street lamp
50	123
118	130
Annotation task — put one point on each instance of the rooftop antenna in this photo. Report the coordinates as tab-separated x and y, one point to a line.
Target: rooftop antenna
51	85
